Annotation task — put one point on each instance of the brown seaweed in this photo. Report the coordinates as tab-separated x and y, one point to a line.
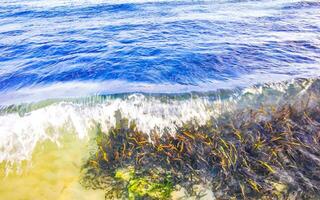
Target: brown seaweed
238	155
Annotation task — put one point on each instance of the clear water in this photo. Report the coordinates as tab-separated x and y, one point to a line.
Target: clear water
68	65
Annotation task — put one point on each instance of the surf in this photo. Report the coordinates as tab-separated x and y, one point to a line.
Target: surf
22	126
45	125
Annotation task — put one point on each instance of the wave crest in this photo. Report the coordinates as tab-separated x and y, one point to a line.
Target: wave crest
23	126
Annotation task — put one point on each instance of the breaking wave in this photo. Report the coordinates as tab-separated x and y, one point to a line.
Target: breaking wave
24	125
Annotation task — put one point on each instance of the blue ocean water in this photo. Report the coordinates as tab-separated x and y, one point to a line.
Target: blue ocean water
175	44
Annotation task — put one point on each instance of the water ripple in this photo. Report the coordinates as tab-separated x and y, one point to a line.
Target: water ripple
156	42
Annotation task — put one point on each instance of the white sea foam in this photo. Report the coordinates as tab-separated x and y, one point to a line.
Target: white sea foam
19	133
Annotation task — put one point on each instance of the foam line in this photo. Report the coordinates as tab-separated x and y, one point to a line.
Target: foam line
20	132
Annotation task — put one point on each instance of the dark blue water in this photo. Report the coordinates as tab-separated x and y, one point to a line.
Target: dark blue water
176	43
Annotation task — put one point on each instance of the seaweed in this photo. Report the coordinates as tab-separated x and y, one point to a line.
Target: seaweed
264	153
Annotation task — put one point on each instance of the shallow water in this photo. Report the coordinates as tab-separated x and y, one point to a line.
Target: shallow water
52	173
68	67
47	144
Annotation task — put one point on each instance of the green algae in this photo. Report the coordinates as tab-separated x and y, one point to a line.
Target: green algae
143	187
125	174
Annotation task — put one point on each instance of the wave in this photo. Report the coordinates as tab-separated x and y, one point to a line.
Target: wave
67	55
24	125
59	3
80	89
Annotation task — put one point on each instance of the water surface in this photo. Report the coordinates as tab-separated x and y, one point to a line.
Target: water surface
135	45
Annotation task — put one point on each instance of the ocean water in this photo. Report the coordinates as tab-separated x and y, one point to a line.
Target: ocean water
70	66
77	48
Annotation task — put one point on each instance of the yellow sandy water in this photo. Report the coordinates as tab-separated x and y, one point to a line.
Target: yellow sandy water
52	174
